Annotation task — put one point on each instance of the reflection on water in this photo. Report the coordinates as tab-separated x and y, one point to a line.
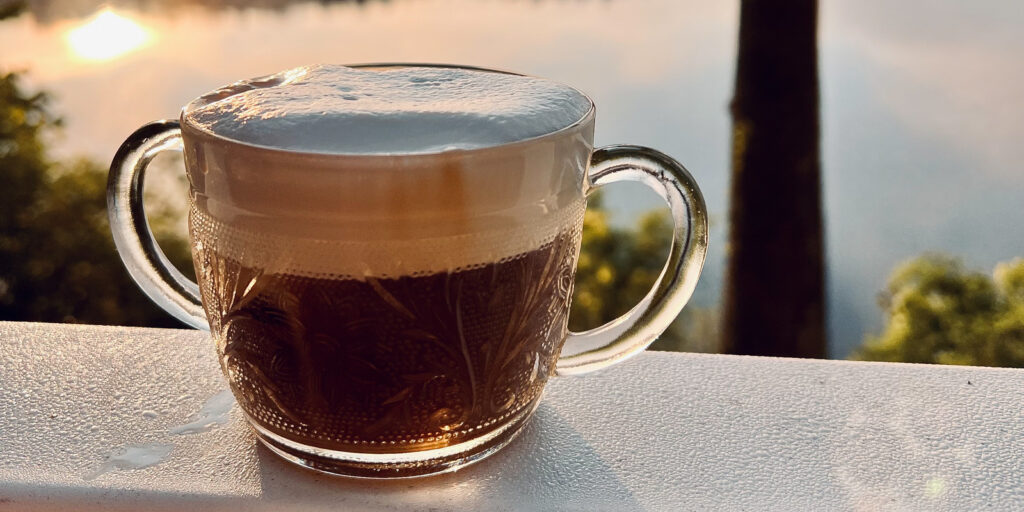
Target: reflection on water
922	112
105	36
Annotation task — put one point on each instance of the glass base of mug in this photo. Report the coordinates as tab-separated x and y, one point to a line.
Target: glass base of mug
396	465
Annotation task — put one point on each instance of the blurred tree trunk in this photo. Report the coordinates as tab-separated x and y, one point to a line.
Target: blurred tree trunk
774	296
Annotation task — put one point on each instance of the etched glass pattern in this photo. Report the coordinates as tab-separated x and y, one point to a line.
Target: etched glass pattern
387	364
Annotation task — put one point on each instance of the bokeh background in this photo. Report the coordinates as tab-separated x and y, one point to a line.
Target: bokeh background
922	118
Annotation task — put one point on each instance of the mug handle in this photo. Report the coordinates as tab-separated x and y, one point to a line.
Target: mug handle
142	256
634	331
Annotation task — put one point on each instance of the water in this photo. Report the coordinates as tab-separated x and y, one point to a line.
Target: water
214	413
136	456
921	104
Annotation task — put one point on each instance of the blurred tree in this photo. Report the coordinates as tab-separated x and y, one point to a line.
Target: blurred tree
774	294
12	8
938	312
617	267
57	258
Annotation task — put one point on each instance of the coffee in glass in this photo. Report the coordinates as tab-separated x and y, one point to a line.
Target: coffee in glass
385	254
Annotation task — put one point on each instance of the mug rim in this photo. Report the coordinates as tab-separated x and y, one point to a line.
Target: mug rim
585	119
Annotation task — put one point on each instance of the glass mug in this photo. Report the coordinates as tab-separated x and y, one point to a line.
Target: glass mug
395	315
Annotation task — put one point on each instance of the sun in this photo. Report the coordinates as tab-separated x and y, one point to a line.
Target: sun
106	35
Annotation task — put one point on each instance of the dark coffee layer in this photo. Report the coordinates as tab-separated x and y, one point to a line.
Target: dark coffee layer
390	365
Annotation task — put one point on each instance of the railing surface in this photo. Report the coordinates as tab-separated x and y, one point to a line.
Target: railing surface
113	418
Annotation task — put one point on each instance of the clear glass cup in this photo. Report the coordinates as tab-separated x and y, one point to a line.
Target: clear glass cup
395	315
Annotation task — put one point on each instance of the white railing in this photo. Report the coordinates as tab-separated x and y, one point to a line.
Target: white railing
111	418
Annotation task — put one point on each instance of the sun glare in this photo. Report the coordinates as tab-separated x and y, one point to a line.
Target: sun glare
105	36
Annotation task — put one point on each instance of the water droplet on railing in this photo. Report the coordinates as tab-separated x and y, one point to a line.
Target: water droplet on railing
213	414
135	456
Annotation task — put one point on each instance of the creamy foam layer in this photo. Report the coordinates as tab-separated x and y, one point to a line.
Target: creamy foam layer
278	253
388	110
329	206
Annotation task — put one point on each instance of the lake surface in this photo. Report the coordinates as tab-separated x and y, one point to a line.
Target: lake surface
922	107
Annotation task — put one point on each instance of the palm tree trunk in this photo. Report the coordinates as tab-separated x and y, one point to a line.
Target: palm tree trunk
774	296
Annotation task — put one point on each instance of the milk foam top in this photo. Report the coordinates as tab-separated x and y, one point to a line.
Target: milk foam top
401	110
391	171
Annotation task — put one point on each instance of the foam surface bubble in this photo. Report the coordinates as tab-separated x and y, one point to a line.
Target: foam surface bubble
387	110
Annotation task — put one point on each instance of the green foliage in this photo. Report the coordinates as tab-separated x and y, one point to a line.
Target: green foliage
939	312
617	267
57	257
